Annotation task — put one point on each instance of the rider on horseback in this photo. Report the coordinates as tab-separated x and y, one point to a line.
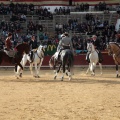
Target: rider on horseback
33	44
8	43
96	44
64	43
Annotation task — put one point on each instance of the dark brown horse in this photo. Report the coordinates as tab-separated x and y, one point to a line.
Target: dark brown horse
114	50
19	51
66	59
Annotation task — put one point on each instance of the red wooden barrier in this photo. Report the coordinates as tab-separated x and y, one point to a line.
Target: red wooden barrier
79	60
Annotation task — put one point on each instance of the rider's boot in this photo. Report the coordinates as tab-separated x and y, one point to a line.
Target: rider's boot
100	57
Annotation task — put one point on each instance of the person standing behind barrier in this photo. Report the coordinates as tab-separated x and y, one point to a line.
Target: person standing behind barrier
33	44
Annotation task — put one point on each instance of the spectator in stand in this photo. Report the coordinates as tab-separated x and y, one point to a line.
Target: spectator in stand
56	11
45	37
23	17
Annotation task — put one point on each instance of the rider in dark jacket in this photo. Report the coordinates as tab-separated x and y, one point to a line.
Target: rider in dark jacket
33	44
96	44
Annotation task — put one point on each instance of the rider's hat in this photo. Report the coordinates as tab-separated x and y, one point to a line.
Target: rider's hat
62	35
94	36
9	34
66	34
33	35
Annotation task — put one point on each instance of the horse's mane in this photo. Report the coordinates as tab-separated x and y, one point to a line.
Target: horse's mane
115	44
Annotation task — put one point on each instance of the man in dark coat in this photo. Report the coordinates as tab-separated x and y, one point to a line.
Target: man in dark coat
33	44
96	44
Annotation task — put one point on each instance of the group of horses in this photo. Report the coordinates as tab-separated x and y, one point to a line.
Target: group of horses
65	62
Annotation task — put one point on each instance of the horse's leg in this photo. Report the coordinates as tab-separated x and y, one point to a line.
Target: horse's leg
21	67
92	69
31	66
88	69
69	72
63	72
23	63
57	71
16	65
16	70
38	70
117	74
100	65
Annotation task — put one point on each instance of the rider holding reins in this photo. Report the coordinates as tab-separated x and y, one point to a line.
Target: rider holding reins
96	44
64	43
33	44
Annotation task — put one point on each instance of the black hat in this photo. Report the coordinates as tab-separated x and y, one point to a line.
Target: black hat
9	34
33	35
66	34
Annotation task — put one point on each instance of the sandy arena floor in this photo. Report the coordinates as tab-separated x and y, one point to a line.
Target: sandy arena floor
83	98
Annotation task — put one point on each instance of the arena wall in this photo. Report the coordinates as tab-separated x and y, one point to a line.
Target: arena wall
79	61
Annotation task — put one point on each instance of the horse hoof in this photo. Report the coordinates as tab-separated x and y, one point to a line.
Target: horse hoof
70	78
66	73
117	76
92	74
62	79
35	76
20	75
38	76
55	77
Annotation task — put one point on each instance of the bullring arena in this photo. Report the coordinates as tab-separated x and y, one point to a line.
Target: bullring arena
83	98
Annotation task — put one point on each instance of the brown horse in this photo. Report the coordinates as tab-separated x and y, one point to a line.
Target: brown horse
19	51
114	50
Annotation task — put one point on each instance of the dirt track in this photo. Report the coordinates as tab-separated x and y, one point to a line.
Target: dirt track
83	98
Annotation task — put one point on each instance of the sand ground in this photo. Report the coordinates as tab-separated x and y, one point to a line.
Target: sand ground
83	98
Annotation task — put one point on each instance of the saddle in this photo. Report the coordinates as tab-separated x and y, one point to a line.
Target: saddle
10	53
66	47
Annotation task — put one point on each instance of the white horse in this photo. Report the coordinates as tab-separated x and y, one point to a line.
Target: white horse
94	59
38	57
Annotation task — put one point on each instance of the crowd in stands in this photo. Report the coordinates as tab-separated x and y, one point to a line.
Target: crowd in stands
62	11
81	7
92	25
101	6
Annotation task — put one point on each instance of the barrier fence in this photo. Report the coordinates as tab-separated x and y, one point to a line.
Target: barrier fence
79	60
